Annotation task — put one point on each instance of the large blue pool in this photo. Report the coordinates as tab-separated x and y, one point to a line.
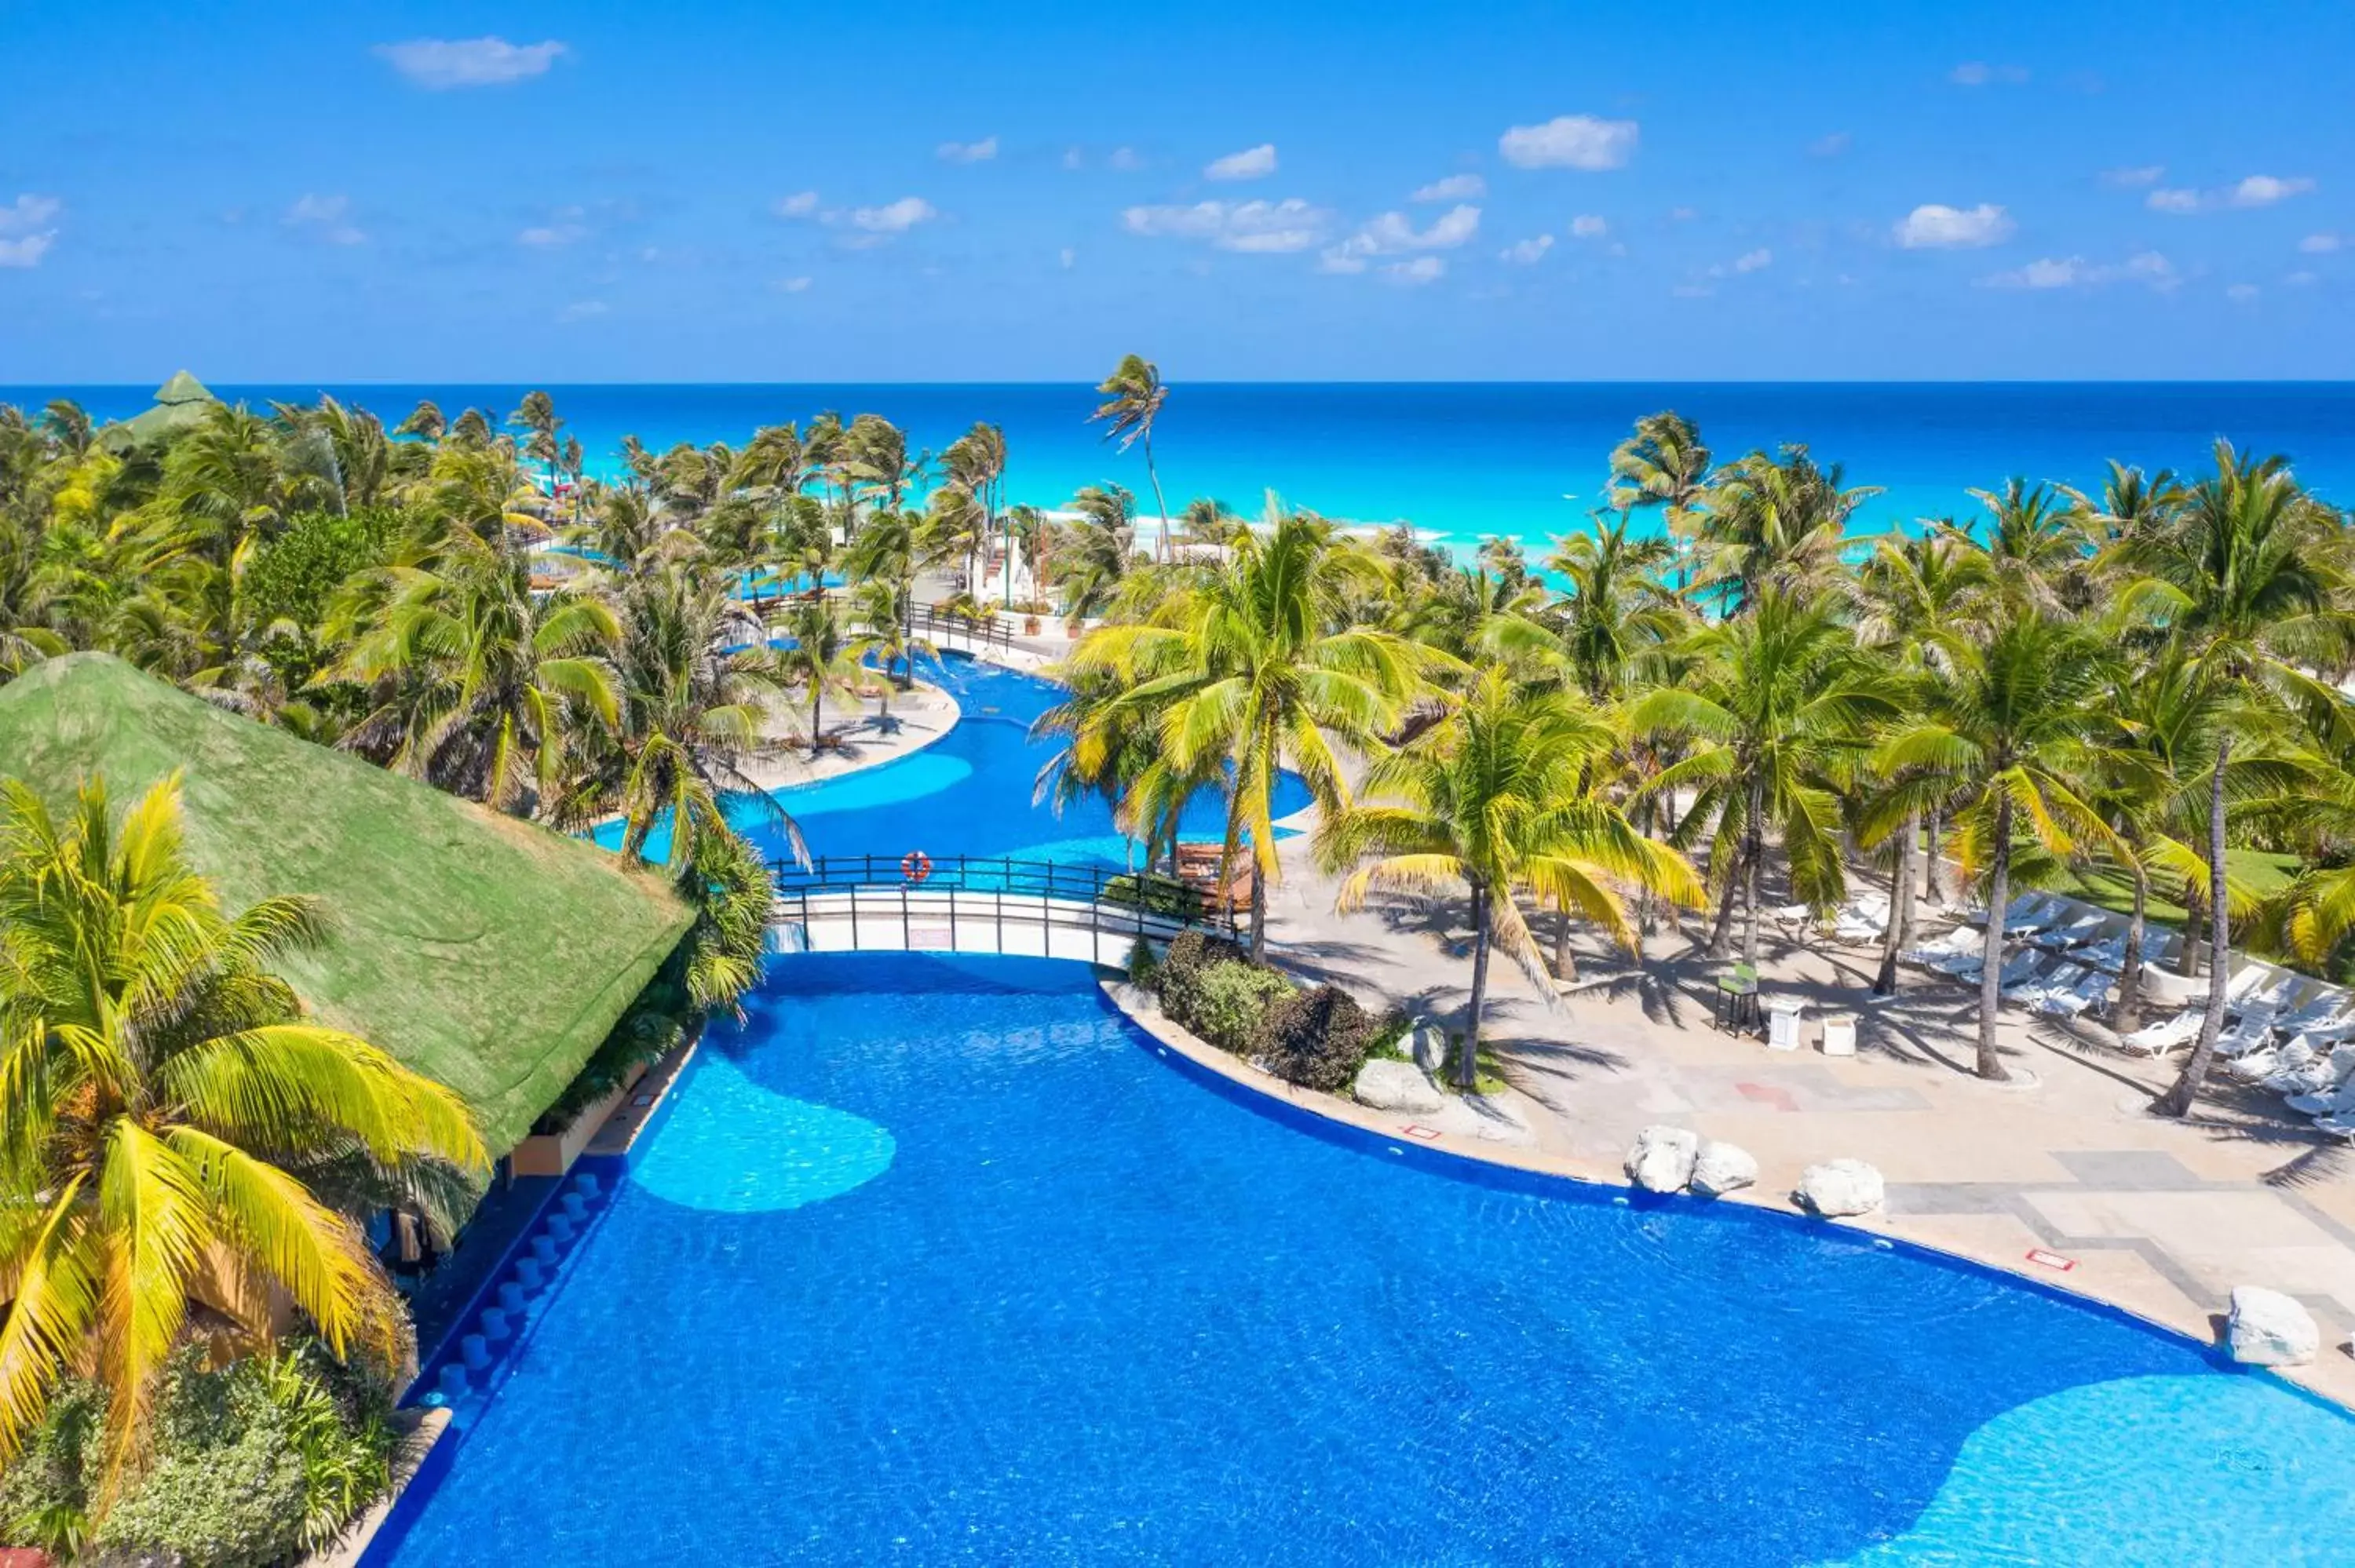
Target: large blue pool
968	793
939	1260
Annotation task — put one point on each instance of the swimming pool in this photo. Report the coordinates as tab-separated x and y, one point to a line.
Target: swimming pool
937	1260
967	793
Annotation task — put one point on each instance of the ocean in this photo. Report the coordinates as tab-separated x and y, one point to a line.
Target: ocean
1463	461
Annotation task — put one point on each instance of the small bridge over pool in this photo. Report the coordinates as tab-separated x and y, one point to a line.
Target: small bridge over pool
975	904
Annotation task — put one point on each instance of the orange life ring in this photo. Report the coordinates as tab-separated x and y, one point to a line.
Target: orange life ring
915	865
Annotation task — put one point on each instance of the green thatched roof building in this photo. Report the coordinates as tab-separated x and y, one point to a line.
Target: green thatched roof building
180	403
489	953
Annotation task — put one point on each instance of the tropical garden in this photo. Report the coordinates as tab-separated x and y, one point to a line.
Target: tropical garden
1717	697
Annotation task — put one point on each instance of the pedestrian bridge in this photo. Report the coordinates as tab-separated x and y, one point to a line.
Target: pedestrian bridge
961	903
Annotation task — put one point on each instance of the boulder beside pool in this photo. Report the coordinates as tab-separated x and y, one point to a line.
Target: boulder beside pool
1662	1159
1722	1168
1392	1085
2268	1329
1838	1188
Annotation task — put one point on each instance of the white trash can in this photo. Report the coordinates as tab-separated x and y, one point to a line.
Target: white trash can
1783	1025
1839	1035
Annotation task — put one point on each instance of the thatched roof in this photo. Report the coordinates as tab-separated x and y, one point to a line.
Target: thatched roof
489	953
180	403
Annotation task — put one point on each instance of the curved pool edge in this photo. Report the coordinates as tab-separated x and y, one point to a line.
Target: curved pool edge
1351	1125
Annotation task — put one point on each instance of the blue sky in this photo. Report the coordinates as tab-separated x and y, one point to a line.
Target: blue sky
708	192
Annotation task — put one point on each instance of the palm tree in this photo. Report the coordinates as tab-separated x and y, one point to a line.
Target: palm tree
1663	464
1615	609
820	657
1777	705
884	556
1498	799
2006	730
2250	582
1255	668
1096	552
1133	396
476	679
159	1089
1774	523
2038	543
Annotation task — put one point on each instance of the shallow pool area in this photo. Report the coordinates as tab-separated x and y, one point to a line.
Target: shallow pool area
940	1260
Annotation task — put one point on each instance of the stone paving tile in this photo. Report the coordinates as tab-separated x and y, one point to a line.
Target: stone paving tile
2139	1169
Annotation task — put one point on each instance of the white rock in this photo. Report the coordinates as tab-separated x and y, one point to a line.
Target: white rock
1722	1168
2268	1329
1839	1187
1386	1085
1662	1159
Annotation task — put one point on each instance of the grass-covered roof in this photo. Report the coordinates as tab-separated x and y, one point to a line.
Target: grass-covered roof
489	953
180	404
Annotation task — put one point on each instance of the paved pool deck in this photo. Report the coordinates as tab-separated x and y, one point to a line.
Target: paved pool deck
2162	1217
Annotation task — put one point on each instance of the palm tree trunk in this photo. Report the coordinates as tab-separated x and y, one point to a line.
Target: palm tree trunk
2126	1016
1467	1064
1565	967
1931	890
1990	1065
1259	912
2179	1100
1901	906
1754	851
818	713
1721	929
1161	544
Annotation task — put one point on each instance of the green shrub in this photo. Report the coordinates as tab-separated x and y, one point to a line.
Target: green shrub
1318	1039
1189	954
45	1495
1143	967
1155	895
1228	1003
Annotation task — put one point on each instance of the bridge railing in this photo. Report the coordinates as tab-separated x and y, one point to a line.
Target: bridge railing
987	903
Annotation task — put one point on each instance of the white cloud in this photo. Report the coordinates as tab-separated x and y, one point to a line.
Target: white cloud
582	310
891	217
790	285
1068	257
1250	163
1935	226
979	152
2143	175
2320	244
1588	226
1251	226
1978	73
1394	233
325	218
802	204
2242	293
1748	261
1526	252
1455	188
2302	279
1421	270
564	228
1683	214
1830	146
439	63
1125	160
2146	267
2263	190
2256	190
25	237
1074	159
1569	142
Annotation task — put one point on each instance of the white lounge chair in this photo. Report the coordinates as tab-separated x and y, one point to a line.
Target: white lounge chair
2083	927
2091	989
1961	939
2060	977
2157	1039
2022	971
2028	914
2333	1101
2328	1009
2110	954
2252	1031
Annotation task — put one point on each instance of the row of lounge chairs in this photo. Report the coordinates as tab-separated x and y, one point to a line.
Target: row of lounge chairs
2286	1034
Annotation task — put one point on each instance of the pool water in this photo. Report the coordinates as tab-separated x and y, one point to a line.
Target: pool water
967	793
939	1260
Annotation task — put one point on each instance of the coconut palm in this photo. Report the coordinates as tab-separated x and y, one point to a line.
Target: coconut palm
2249	580
819	656
2006	732
1498	799
1253	667
1133	397
1779	522
1095	553
1777	705
157	1085
1615	608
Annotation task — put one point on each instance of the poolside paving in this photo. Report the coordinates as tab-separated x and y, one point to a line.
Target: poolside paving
2162	1217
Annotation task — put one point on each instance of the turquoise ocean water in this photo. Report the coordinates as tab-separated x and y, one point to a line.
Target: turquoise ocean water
1466	460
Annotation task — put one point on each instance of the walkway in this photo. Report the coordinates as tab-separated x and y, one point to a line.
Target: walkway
2162	1217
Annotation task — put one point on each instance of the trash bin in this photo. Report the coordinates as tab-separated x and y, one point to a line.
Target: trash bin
1783	1025
1839	1035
